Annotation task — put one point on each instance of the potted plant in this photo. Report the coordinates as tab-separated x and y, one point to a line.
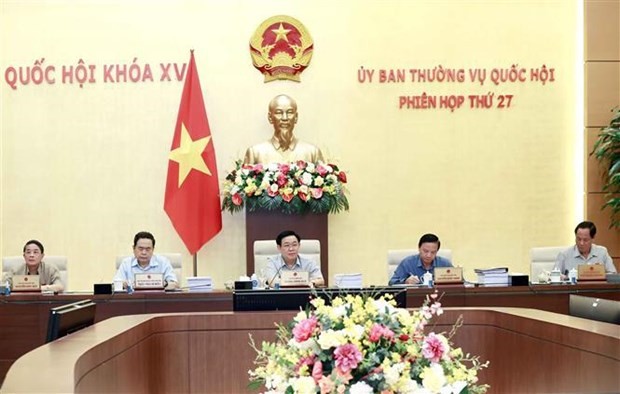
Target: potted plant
607	152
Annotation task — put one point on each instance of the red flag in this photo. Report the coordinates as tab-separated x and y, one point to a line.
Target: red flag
192	191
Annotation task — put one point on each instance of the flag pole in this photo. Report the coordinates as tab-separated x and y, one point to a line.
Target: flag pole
195	264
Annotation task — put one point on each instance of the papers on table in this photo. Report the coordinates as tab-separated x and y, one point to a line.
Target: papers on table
497	276
348	281
199	283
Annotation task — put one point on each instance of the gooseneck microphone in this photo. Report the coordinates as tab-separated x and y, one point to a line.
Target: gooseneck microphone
270	283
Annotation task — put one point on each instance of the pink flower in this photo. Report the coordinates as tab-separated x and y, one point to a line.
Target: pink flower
301	164
317	371
284	168
304	329
347	357
258	168
378	331
317	192
434	348
322	170
342	177
304	361
436	309
303	196
326	385
287	197
236	199
273	190
281	181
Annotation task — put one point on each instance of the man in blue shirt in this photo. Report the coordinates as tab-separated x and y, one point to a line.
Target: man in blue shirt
412	268
289	260
144	261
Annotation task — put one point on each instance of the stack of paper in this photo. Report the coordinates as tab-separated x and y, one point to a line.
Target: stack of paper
348	281
493	276
199	283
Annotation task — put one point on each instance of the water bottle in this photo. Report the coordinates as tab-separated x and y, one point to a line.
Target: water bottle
572	276
428	279
7	288
129	288
254	279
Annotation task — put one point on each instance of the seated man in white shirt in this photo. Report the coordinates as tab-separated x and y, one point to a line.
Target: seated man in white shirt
584	251
289	260
144	261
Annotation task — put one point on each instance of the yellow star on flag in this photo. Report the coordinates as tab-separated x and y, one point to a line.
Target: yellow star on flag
189	155
281	33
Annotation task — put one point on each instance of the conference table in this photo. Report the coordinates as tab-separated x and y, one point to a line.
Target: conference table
24	316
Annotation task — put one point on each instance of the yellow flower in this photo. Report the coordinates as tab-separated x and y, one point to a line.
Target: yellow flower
286	191
456	353
250	188
458	374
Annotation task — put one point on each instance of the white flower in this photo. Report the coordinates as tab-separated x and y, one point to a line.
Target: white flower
330	338
303	385
310	167
273	381
392	373
307	344
306	178
301	315
454	388
338	312
413	387
355	332
245	172
433	378
272	167
360	388
381	306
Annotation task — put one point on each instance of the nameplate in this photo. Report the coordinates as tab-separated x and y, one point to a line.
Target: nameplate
587	272
26	283
294	279
448	275
148	281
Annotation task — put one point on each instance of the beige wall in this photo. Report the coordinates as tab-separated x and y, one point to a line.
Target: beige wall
83	169
602	93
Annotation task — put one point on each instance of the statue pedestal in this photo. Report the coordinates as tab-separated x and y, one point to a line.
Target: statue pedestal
266	225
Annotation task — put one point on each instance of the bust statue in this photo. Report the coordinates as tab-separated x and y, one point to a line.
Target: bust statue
283	147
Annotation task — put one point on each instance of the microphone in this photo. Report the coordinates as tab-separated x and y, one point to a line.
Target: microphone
270	283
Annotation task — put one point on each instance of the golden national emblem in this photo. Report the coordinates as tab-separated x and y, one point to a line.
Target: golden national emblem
281	48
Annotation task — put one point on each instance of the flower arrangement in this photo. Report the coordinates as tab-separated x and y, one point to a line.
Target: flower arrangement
297	187
364	345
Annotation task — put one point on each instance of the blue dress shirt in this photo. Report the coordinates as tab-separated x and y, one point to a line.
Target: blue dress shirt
157	265
412	265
